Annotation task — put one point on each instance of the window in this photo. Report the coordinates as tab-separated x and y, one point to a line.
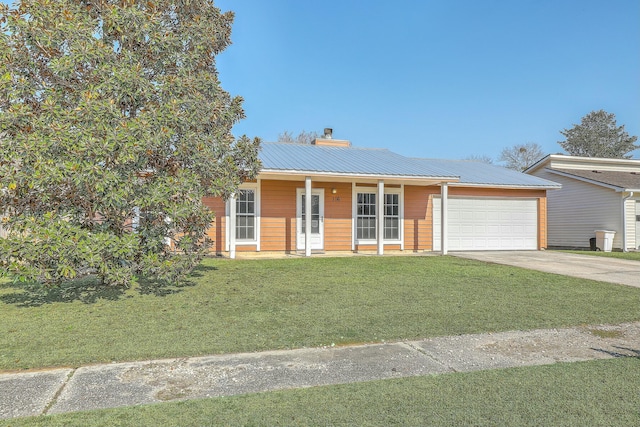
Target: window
315	214
391	217
366	216
245	215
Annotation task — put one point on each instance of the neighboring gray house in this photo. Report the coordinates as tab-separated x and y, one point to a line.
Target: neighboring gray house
596	194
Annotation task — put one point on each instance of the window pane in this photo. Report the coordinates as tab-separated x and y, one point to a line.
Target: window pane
366	216
391	217
245	215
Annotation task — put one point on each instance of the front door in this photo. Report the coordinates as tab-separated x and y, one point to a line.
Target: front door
317	219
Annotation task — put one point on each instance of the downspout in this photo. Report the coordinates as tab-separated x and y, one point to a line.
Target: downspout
624	221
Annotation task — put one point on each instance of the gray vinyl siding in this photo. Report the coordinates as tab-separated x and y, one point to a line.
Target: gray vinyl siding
578	209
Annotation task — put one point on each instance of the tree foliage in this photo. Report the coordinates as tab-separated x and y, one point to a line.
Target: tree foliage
598	135
482	158
303	137
110	109
520	156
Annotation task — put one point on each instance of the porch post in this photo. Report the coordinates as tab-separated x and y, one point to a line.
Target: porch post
444	217
307	210
232	226
380	210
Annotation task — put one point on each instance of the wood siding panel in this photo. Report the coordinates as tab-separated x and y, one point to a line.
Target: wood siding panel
542	223
217	230
278	216
374	248
278	212
418	225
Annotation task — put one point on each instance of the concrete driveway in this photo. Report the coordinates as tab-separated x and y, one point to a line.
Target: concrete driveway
605	269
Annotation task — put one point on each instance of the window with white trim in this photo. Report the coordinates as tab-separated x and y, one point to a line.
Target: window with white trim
246	215
391	216
366	216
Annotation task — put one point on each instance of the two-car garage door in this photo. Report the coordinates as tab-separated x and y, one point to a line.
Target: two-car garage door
483	223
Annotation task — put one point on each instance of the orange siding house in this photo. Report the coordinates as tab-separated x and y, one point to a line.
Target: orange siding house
363	199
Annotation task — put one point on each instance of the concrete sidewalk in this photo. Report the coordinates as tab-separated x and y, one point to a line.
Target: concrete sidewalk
124	384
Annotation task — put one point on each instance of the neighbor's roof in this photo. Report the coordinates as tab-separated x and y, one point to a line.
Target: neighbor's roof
475	173
624	181
330	160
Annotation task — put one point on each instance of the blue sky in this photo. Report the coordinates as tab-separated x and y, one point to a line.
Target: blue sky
425	78
441	79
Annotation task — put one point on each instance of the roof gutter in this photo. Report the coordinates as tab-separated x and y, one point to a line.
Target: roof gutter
506	186
359	175
624	221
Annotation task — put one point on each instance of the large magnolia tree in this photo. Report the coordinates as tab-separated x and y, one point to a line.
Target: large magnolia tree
113	126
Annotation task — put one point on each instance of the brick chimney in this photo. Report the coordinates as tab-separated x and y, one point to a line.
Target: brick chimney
327	140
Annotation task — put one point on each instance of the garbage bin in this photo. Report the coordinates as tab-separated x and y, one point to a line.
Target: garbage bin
592	244
604	240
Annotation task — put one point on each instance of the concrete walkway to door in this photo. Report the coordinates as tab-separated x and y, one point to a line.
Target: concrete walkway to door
604	269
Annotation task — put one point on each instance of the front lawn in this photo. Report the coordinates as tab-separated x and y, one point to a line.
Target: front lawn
252	305
595	393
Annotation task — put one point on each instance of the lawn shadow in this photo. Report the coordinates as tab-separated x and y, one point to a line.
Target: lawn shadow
162	288
634	352
88	291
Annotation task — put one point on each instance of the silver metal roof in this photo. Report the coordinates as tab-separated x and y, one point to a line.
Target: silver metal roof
479	173
306	158
287	157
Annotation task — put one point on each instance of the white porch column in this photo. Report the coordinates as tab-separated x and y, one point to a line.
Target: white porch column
444	217
380	210
232	226
307	210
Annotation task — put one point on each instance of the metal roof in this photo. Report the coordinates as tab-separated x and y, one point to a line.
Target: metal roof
483	174
307	158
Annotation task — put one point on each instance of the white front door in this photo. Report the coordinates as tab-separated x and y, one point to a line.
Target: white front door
317	219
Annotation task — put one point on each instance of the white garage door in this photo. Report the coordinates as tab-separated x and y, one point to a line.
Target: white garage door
488	224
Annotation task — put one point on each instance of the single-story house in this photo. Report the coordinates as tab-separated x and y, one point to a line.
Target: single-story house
596	194
363	199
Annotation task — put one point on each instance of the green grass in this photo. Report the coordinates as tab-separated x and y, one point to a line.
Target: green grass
252	305
595	393
634	256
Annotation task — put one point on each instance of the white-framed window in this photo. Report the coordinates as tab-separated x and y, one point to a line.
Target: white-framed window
366	216
246	214
247	219
391	216
366	208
